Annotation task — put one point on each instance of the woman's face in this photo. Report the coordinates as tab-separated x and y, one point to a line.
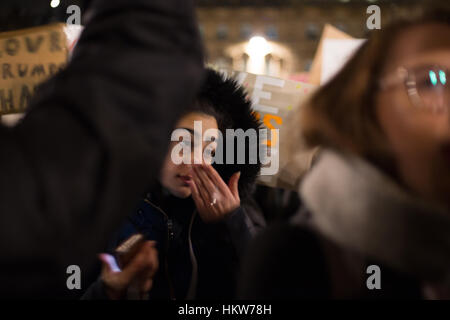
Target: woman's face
173	176
418	136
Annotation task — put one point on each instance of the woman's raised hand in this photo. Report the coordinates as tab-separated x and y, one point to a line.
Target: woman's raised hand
213	198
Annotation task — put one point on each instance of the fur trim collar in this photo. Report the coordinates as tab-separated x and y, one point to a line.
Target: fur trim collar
360	208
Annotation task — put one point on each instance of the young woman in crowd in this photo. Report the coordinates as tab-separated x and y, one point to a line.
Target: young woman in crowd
196	214
378	194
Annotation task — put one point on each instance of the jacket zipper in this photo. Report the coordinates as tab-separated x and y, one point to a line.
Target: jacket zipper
194	276
169	238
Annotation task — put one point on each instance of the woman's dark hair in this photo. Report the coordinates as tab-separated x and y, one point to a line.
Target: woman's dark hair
205	106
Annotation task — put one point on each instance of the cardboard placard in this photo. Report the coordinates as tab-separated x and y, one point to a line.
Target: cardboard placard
28	57
329	32
335	54
274	101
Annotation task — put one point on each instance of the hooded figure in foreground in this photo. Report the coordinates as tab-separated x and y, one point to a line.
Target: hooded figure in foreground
196	213
93	139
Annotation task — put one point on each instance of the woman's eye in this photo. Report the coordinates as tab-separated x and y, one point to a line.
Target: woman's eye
428	81
431	79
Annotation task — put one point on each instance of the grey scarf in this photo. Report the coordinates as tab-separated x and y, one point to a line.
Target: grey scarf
360	208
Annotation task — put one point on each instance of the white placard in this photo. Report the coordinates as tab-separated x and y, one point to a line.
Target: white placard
335	54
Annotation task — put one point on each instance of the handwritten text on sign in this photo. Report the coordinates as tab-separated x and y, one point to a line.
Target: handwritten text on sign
28	57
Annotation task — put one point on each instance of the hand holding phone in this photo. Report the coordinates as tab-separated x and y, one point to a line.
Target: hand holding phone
132	276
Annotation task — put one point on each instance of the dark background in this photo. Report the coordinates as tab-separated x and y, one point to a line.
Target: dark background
16	14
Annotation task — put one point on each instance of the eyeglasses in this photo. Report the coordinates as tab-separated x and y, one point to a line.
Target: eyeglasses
427	86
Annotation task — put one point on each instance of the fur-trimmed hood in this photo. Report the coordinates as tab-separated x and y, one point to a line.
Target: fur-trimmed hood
230	100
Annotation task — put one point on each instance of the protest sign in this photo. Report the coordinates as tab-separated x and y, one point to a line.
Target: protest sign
329	32
274	101
28	57
335	54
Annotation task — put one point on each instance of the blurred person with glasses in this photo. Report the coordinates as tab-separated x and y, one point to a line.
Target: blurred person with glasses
378	194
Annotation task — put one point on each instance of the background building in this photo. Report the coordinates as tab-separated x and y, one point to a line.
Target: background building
288	31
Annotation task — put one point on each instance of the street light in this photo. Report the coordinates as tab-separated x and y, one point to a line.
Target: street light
54	3
257	48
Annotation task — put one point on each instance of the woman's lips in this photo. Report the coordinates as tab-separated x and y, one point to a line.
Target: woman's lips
185	179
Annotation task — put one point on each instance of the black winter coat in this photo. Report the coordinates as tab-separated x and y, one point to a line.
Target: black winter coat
358	235
289	262
174	224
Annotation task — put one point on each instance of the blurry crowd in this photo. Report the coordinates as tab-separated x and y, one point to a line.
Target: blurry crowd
89	178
